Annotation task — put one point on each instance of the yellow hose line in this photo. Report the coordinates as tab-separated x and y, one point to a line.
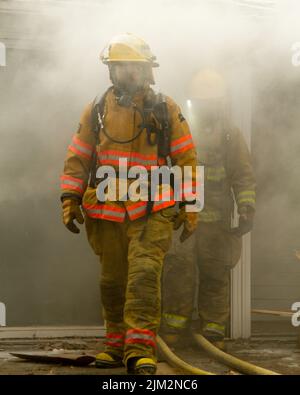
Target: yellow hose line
229	360
176	362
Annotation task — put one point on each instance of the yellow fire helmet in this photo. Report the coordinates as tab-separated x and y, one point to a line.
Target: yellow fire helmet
207	84
128	48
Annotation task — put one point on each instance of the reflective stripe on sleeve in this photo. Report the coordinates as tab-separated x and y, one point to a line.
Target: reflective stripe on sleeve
81	148
182	144
72	183
246	197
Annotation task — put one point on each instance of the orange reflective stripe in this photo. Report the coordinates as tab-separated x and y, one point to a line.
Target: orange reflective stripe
81	148
72	187
105	211
136	210
182	144
161	205
111	157
114	339
141	336
130	154
163	199
65	177
115	335
78	152
161	161
181	140
73	183
76	140
106	206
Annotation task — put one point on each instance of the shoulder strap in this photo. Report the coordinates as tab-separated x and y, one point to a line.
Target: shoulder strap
227	142
159	108
98	111
96	118
164	140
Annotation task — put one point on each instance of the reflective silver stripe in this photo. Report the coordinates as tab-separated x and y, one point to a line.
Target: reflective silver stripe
215	328
176	321
210	216
81	149
181	145
215	174
216	170
130	159
246	197
106	211
246	200
131	212
246	193
70	182
159	202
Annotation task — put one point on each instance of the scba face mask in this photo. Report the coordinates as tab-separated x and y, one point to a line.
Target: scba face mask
206	113
130	77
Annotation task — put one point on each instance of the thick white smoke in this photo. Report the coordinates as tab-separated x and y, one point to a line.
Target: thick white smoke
53	69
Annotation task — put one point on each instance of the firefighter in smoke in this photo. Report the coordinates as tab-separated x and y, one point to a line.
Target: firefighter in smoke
129	121
216	245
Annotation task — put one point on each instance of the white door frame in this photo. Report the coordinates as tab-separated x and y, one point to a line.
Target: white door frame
241	92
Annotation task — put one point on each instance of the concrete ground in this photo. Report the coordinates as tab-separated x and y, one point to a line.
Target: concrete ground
10	365
278	352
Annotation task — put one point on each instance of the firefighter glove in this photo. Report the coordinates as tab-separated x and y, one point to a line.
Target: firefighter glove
188	220
72	211
245	221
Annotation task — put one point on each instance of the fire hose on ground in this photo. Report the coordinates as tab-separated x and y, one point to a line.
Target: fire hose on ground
230	360
176	362
222	357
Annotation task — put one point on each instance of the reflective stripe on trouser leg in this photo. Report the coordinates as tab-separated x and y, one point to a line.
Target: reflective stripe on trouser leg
214	295
115	336
143	300
174	321
213	329
140	339
178	284
113	280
